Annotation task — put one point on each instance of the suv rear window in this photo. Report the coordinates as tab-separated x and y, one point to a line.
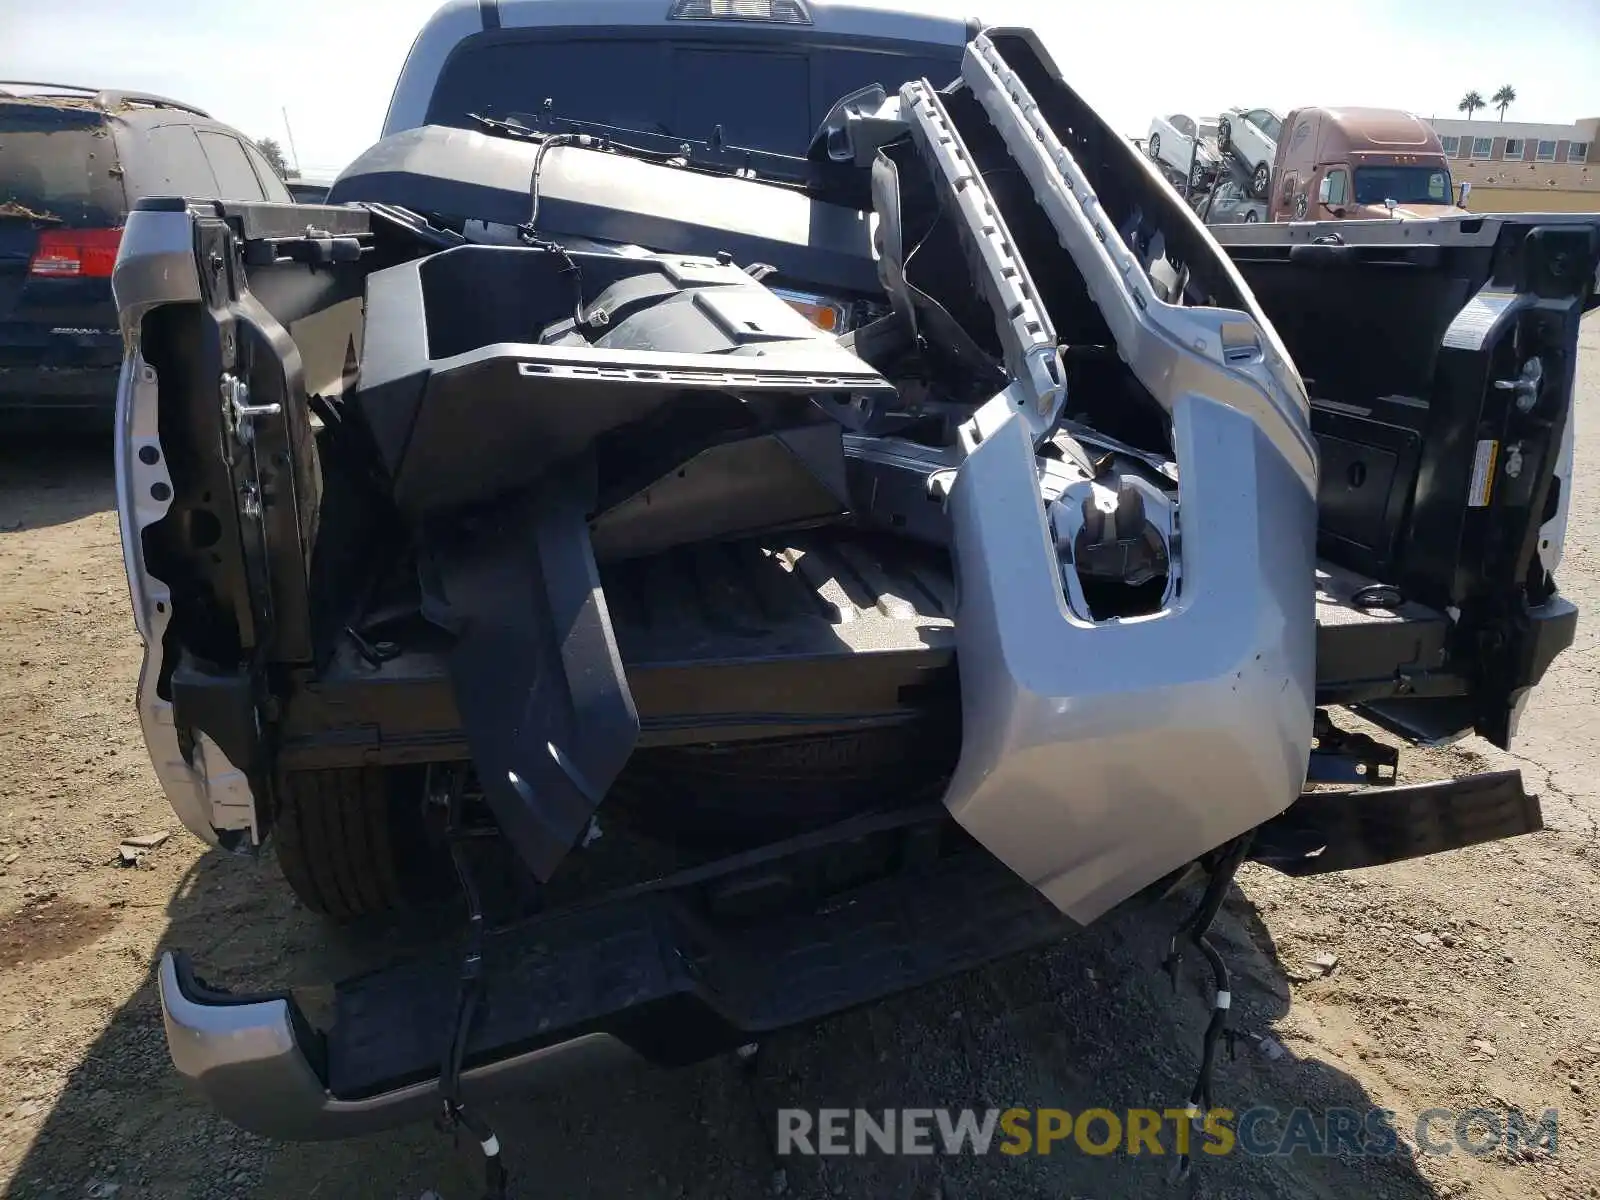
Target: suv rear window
236	178
764	97
59	161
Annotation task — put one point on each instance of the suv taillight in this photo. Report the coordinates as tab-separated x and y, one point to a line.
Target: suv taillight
76	253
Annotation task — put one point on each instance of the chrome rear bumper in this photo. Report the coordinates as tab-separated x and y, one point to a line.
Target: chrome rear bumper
254	1060
681	971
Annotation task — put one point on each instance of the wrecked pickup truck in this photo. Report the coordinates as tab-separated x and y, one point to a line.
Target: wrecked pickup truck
813	571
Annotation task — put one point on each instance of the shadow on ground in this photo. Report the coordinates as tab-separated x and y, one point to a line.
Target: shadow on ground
1090	1023
53	480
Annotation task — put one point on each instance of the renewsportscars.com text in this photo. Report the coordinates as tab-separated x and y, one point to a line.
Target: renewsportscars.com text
1263	1131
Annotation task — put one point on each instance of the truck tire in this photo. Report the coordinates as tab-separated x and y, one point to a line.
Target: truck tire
351	843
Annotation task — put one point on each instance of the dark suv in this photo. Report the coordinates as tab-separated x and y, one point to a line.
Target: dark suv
73	162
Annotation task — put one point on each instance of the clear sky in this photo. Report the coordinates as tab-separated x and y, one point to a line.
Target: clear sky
332	63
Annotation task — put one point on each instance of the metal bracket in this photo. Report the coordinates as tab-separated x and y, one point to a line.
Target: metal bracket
238	414
1339	756
239	452
1526	385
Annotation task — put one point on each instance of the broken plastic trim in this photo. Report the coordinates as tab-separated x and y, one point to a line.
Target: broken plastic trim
1327	831
1027	335
1169	348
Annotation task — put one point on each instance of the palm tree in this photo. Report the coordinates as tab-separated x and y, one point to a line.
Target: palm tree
1470	103
1504	99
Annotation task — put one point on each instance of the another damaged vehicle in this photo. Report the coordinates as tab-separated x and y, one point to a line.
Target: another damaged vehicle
819	568
73	162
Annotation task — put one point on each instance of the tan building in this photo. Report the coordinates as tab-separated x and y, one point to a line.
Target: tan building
1521	166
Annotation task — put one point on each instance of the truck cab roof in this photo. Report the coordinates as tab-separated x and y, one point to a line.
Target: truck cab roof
1375	130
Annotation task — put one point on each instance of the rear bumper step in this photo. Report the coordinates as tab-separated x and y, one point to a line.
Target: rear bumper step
674	972
257	1063
658	976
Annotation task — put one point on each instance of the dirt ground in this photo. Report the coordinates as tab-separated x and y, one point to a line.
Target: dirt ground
1470	980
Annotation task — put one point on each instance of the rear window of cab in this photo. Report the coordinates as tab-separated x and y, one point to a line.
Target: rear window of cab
763	96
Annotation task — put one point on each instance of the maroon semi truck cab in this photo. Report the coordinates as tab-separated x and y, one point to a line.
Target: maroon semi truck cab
1359	163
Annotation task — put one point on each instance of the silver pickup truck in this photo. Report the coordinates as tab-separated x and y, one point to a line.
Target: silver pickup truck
791	489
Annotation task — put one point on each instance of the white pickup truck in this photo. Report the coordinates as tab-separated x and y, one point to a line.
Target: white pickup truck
804	492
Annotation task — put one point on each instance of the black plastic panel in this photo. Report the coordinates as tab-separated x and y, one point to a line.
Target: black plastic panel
1361	330
223	706
1351	471
736	489
1367	472
476	376
534	666
1322	832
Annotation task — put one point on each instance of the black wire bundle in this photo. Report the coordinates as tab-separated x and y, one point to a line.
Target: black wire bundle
528	232
468	998
1195	928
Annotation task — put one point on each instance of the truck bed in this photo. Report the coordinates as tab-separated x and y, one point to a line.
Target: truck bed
812	633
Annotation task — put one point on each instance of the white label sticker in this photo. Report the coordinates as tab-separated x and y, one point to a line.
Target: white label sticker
1483	473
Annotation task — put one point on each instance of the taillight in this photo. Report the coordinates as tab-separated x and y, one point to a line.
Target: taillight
76	253
825	314
780	12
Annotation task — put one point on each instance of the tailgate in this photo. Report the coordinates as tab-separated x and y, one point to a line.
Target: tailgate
62	208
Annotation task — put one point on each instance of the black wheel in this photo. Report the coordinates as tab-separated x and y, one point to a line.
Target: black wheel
1261	180
1155	145
1224	136
1249	216
351	841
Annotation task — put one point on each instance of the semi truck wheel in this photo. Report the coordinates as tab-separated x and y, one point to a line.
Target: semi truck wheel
351	842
